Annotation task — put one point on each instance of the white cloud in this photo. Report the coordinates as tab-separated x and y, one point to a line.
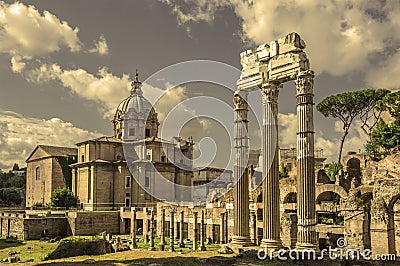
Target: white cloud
17	63
200	10
101	46
341	36
104	88
287	130
26	33
19	135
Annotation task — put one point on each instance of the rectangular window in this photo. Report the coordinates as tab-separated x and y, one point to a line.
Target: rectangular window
128	182
147	182
147	132
132	132
163	158
127	202
149	154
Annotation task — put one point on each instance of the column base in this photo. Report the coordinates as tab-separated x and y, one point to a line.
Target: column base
242	241
151	249
161	246
307	238
271	244
202	248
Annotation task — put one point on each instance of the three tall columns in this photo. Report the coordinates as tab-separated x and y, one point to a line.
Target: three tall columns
306	236
241	231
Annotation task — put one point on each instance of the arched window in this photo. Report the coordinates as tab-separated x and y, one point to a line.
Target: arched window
83	158
37	173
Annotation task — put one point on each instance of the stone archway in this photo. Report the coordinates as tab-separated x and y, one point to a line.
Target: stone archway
393	224
383	224
266	68
322	177
291	197
332	188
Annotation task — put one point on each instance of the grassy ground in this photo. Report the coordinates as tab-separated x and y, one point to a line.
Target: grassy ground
37	250
145	257
33	249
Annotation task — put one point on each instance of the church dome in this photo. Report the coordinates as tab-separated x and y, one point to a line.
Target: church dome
135	102
135	106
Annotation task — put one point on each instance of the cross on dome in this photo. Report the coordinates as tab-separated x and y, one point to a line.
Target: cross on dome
136	85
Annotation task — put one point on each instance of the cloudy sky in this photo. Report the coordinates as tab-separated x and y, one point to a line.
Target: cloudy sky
65	65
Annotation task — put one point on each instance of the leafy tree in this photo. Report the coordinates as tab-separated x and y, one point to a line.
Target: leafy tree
63	197
10	196
15	167
333	170
347	106
391	104
384	140
371	98
15	181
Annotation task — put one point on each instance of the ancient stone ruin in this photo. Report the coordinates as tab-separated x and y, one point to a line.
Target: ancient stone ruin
267	68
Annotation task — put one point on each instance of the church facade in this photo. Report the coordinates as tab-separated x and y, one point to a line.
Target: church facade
102	178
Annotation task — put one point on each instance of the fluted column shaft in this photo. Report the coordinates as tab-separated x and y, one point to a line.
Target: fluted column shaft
171	231
152	229
226	232
146	225
133	228
270	154
195	230
202	232
176	228
241	232
162	226
306	234
253	226
222	229
182	227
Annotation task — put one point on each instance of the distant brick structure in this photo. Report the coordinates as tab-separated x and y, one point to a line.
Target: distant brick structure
47	169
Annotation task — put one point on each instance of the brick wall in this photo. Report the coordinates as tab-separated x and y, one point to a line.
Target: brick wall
34	227
89	223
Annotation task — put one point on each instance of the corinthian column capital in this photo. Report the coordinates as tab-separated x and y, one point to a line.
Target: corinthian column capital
304	82
270	92
239	102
